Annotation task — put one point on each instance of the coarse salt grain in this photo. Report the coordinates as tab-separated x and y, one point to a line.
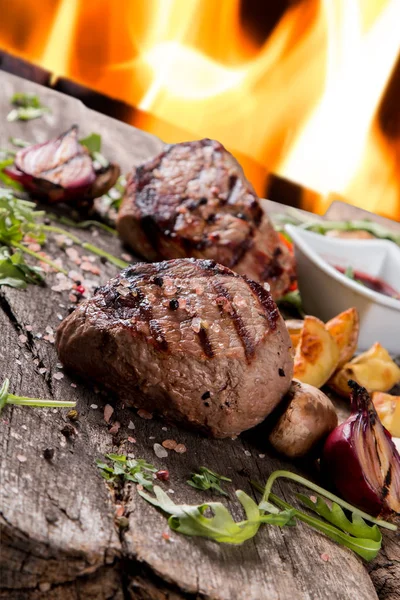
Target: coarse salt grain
58	376
94	406
28	327
170	444
247	452
143	414
114	428
108	411
325	557
21	458
180	448
73	385
261	455
131	425
23	339
159	451
132	440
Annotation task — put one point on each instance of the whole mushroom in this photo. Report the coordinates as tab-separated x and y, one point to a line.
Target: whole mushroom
308	418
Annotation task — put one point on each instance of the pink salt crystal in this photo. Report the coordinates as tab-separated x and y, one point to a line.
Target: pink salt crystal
114	428
182	302
28	327
132	440
196	324
108	411
325	557
74	275
35	247
58	376
180	448
143	414
23	339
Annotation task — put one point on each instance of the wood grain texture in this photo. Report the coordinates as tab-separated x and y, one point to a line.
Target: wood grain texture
59	540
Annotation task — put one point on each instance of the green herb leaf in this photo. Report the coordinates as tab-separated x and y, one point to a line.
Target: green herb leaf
26	100
208	480
14	272
92	142
20	143
294	300
28	106
219	524
7	398
335	515
6	179
123	469
349	272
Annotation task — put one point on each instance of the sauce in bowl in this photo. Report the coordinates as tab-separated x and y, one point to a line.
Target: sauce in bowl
373	283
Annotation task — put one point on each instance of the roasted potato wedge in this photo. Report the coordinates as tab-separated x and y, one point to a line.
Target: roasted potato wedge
317	353
388	409
294	327
344	329
308	418
374	369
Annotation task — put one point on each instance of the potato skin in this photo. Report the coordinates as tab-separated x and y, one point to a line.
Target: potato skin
308	418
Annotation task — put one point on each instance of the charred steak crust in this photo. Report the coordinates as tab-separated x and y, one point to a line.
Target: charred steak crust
188	339
194	200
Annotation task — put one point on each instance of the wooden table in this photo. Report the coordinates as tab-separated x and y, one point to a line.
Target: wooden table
58	535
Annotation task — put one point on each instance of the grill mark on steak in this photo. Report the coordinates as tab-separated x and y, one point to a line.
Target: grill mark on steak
241	330
266	301
205	343
146	313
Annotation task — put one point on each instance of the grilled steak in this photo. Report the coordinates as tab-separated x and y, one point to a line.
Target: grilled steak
194	200
187	339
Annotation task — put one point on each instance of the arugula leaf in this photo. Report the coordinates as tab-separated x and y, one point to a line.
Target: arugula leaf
336	515
14	272
219	526
367	548
92	142
28	106
123	469
208	480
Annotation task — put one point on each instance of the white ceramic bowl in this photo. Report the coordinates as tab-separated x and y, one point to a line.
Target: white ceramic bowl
326	292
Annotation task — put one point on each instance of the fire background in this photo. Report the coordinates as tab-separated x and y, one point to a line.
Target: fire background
305	93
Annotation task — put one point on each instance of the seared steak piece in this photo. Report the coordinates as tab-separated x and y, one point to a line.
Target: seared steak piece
194	200
187	339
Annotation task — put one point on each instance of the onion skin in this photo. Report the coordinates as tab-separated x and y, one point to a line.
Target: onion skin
61	170
360	459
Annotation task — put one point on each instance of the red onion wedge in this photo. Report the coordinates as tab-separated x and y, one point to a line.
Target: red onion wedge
361	459
62	170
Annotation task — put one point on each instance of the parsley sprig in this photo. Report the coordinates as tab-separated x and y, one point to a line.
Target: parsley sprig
27	106
208	480
124	469
7	398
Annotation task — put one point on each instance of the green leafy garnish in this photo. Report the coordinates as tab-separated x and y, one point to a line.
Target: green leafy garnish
15	272
336	515
28	106
7	398
7	161
349	272
92	142
208	480
18	142
123	469
220	525
19	217
355	534
293	299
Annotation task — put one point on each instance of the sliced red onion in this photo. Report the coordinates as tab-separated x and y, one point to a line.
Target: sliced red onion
361	459
61	169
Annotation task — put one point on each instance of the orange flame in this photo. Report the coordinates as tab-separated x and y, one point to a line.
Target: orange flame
300	101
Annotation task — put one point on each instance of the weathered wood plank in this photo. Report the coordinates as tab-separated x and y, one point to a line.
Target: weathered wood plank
57	516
